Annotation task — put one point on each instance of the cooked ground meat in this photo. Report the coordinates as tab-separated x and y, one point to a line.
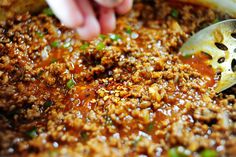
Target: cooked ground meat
124	94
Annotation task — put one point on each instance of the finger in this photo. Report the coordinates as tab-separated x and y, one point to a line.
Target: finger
91	28
109	3
124	7
107	19
67	12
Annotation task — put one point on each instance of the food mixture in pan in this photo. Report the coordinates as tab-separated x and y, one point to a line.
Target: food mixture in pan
124	94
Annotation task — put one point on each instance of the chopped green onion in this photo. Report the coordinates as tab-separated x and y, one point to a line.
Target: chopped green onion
150	127
32	133
53	153
84	46
66	45
208	153
47	103
39	34
48	12
53	60
114	37
174	152
84	135
70	84
100	46
128	30
101	36
175	13
55	44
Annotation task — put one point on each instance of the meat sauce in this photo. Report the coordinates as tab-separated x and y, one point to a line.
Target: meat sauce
125	96
199	62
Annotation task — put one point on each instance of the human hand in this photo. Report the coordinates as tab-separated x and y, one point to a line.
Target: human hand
80	15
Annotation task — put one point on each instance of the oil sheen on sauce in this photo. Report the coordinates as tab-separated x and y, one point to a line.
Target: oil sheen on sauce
199	62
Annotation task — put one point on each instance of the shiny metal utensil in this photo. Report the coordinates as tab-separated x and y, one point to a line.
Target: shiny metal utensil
219	42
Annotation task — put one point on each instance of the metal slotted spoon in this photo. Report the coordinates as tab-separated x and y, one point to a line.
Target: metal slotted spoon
219	42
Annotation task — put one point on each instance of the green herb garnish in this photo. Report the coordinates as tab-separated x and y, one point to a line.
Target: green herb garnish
208	153
66	45
101	36
128	30
114	37
84	46
70	84
175	13
55	44
32	133
174	152
53	60
48	103
150	127
48	12
39	34
100	46
53	153
84	135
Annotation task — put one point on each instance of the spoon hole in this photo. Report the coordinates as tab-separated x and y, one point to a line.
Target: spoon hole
218	75
221	60
235	50
221	46
233	35
233	65
207	55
